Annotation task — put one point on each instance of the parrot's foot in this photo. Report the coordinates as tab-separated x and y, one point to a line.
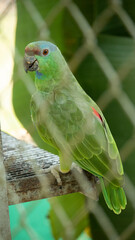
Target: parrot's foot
55	170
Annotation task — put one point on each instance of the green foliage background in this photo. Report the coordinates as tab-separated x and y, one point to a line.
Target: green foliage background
117	45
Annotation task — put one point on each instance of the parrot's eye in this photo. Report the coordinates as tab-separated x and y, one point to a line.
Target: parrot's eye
45	52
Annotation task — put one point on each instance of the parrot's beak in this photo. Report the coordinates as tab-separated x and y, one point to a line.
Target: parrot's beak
30	63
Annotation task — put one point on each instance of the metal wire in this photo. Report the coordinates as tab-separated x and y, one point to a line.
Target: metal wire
114	91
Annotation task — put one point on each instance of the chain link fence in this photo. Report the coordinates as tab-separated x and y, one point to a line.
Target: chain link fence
114	91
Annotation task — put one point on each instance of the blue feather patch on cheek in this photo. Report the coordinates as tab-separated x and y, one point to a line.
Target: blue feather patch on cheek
39	75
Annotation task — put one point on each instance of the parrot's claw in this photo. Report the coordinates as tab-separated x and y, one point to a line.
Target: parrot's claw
55	170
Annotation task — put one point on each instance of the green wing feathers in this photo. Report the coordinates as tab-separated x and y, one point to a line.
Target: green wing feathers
98	154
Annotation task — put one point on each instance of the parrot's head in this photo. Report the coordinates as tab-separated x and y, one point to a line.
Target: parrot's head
40	56
46	60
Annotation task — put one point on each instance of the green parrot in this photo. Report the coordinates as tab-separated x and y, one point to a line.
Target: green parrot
70	121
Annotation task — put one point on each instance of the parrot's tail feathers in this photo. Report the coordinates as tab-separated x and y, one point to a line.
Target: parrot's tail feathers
114	196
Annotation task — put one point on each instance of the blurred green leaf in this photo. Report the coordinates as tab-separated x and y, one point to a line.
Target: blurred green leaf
75	211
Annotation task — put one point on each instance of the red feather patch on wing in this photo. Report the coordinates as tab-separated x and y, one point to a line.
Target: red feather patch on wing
97	114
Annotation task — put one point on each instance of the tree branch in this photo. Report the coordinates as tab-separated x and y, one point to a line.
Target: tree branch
4	215
29	176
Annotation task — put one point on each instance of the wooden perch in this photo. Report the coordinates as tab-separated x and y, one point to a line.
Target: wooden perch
4	214
29	177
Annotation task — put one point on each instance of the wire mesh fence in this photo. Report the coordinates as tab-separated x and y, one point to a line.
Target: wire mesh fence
114	91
